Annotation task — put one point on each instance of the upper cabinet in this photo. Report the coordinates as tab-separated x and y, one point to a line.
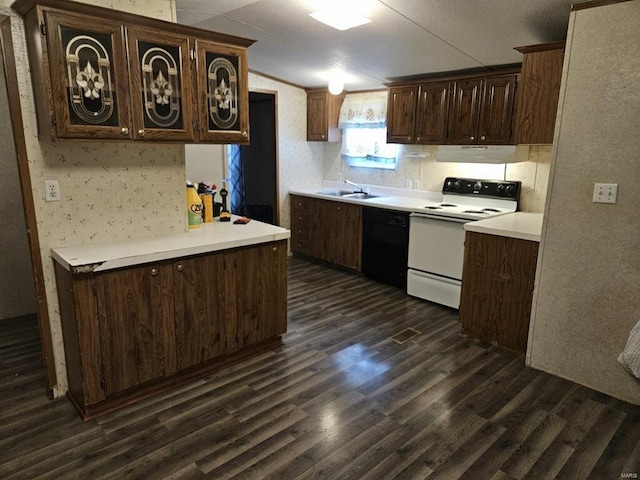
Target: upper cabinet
471	109
418	113
539	93
323	110
104	74
482	111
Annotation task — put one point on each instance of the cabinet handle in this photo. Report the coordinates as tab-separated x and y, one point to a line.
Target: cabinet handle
472	138
244	134
141	133
417	139
179	267
483	137
124	131
322	136
275	249
154	272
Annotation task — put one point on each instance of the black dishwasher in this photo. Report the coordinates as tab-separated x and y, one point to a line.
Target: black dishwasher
385	245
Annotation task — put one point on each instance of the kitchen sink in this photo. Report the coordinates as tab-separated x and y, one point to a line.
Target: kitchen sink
335	193
361	196
348	194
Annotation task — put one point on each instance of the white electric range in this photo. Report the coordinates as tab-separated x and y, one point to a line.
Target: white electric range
436	234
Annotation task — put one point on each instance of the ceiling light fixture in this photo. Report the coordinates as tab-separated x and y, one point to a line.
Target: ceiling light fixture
336	86
339	19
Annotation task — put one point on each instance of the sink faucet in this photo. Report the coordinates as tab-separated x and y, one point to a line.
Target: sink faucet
359	188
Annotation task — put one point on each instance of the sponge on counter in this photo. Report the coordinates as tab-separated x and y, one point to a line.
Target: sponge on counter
242	221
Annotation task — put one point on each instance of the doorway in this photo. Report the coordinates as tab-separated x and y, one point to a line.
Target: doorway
253	168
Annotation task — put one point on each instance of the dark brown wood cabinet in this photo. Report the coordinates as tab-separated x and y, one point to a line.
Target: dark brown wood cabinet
135	331
539	92
481	111
205	320
497	289
458	110
328	230
262	293
103	74
418	114
323	110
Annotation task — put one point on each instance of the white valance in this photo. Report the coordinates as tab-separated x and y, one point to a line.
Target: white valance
364	110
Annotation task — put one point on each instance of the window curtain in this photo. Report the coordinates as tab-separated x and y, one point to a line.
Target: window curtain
363	110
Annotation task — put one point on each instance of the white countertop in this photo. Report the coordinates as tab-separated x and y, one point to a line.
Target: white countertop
521	225
391	198
210	237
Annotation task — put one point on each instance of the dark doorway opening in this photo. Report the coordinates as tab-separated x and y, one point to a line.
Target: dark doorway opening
254	177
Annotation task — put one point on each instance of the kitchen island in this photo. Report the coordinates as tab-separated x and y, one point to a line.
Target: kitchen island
142	316
500	257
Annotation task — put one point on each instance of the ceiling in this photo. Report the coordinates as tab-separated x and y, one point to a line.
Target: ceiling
405	37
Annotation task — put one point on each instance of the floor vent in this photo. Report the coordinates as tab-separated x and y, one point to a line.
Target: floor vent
404	335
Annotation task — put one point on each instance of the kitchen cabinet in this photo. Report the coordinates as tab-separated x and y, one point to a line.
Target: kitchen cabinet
418	114
328	230
205	320
323	110
482	111
133	331
456	110
497	289
103	74
538	93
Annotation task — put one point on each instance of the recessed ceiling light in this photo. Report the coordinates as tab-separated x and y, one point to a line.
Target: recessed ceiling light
339	20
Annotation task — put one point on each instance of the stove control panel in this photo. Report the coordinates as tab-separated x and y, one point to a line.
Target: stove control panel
485	188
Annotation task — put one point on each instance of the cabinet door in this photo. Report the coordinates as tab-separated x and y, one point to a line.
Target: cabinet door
205	313
222	98
465	112
496	114
262	292
433	113
88	75
401	109
137	334
160	86
317	116
344	234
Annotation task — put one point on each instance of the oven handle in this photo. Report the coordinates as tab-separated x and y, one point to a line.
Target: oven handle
438	217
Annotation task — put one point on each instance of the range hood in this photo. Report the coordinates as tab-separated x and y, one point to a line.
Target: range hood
482	153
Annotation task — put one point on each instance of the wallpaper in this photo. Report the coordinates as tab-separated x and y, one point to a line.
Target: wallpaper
109	190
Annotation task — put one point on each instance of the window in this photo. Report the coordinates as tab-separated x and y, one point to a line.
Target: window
367	147
364	132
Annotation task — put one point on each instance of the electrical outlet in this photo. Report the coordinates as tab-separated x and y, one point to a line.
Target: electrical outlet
605	193
51	190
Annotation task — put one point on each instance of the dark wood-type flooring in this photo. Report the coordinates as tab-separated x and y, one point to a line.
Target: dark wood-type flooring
338	400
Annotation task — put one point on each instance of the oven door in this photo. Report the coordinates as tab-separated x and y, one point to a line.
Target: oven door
436	253
436	245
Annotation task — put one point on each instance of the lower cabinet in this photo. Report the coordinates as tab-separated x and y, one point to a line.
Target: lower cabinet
328	230
497	289
135	331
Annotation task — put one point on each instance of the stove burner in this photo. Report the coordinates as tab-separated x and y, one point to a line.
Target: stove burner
447	205
480	212
491	210
431	207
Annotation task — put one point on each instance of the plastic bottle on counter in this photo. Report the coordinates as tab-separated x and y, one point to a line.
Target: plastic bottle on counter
194	206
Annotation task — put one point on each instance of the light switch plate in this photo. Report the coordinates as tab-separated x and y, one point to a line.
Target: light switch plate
605	193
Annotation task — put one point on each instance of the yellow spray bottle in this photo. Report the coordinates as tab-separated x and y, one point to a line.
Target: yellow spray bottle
194	206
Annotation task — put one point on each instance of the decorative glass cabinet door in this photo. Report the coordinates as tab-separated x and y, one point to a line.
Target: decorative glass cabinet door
223	97
89	81
160	86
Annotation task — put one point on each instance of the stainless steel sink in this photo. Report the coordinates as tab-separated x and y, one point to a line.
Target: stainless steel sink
361	196
335	193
